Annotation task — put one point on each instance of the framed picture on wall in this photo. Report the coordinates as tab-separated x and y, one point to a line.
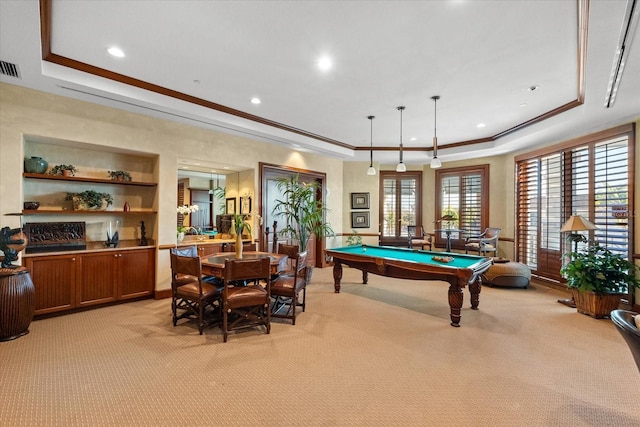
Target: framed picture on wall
360	219
245	205
360	201
231	205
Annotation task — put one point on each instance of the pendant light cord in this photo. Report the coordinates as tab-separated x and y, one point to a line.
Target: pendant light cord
371	149
401	109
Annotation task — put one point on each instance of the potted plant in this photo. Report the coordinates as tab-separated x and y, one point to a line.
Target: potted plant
303	213
183	211
240	226
65	170
90	200
120	175
598	278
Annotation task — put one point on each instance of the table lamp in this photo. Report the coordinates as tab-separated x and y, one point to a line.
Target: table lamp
575	223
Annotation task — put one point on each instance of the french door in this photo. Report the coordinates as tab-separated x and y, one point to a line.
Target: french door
400	205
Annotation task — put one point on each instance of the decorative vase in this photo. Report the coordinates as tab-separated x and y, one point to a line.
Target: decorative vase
35	165
238	246
180	236
17	297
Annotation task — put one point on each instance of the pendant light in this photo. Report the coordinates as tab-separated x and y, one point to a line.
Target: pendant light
211	184
401	166
371	170
435	162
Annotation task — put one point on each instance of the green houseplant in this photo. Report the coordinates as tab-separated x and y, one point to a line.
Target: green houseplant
303	213
120	175
66	170
597	278
90	200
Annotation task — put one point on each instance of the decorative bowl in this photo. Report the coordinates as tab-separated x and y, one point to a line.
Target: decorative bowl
31	205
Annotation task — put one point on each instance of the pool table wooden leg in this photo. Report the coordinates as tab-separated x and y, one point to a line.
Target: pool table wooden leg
474	289
365	277
337	276
456	296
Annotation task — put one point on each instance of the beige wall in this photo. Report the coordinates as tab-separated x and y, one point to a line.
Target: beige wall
501	201
28	112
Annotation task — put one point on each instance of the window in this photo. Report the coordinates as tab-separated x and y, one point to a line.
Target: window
590	176
400	205
462	193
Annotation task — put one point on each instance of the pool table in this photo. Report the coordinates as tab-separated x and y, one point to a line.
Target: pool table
403	263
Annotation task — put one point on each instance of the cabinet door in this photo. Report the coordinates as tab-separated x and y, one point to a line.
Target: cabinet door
54	279
206	250
97	278
136	273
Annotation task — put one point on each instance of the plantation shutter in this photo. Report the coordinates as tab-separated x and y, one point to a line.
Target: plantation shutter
590	178
400	205
463	193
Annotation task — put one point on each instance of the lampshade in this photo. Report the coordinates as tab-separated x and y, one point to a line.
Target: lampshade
577	223
371	170
401	166
435	162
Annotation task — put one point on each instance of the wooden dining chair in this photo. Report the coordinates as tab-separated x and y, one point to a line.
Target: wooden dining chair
191	294
291	251
231	247
246	306
286	289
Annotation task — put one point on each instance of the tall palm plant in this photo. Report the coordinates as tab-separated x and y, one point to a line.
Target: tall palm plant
303	213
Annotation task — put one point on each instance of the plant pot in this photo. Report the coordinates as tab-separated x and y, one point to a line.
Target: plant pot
180	236
595	305
35	165
80	204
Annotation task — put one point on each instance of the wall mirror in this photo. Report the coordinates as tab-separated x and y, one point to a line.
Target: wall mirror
211	187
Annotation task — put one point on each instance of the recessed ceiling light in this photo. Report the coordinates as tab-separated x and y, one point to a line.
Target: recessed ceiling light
524	104
116	51
534	87
325	63
413	138
196	81
255	100
481	125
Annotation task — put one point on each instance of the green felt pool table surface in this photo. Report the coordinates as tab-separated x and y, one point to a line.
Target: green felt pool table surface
459	260
403	263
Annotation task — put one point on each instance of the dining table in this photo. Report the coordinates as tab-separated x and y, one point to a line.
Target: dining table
213	265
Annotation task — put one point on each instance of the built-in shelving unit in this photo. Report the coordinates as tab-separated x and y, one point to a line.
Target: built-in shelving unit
66	278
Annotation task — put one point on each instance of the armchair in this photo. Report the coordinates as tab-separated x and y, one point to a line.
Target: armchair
483	243
623	319
422	239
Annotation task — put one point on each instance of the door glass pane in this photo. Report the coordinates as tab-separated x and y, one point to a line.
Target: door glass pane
389	208
407	204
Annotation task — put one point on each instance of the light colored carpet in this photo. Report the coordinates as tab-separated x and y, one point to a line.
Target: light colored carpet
381	354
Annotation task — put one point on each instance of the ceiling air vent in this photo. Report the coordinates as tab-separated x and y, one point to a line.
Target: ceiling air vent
9	69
